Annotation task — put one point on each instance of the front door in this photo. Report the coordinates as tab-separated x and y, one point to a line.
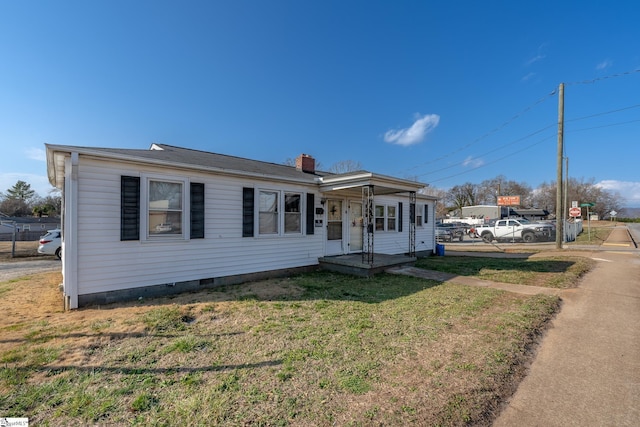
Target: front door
334	228
355	226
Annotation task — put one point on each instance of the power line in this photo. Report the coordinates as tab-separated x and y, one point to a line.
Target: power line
597	79
603	113
518	151
493	150
606	126
496	160
491	132
506	123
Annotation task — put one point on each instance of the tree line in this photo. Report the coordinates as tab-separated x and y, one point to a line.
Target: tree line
20	200
542	197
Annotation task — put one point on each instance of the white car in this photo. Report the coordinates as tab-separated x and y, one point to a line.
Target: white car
51	243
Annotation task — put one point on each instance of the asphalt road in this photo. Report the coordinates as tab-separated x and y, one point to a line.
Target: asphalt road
12	270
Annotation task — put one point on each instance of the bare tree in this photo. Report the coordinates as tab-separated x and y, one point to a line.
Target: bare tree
345	166
490	189
580	191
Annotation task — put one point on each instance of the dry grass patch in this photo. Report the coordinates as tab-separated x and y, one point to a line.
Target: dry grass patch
319	349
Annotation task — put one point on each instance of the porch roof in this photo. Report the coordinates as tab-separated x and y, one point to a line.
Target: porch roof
350	184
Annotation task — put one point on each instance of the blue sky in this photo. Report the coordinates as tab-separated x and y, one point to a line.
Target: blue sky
444	92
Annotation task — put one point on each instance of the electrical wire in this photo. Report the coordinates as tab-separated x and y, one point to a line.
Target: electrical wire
494	161
508	122
486	135
602	114
491	151
597	79
521	150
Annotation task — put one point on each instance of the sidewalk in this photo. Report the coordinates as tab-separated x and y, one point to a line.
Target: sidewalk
587	370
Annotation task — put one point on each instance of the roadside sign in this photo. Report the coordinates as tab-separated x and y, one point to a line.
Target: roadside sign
575	212
574	204
508	200
587	205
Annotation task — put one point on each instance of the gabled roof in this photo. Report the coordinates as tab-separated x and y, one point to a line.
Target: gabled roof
168	155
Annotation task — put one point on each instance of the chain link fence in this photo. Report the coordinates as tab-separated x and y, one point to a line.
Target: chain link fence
20	244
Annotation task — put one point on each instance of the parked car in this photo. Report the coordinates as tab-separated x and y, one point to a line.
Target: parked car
51	243
443	234
457	231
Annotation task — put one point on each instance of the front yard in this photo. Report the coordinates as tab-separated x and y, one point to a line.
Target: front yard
317	349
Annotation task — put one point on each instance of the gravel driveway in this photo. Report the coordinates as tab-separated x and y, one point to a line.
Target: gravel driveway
12	270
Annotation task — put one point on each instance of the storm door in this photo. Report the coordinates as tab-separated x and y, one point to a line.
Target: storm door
355	226
334	227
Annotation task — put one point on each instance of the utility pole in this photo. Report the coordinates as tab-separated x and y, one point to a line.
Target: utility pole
559	208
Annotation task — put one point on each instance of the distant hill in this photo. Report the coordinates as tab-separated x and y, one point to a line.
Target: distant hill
629	213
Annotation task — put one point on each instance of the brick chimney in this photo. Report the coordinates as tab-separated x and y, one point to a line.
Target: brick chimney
306	163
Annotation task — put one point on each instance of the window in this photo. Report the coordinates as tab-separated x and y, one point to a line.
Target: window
385	218
292	213
278	212
391	218
268	212
379	218
165	208
419	210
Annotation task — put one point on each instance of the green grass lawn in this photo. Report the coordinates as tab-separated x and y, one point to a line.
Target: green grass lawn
556	272
318	349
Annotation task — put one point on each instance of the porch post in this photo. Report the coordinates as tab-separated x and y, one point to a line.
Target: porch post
412	223
368	224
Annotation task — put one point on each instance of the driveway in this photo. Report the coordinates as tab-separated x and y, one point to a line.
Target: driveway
15	269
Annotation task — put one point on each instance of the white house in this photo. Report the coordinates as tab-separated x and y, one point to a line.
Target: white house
169	219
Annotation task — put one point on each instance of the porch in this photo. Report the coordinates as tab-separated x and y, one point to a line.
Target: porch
353	263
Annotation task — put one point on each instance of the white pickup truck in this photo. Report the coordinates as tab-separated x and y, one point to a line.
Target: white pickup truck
517	229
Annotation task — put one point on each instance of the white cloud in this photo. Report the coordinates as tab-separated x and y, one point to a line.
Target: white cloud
604	64
535	59
36	154
629	190
528	77
472	162
415	133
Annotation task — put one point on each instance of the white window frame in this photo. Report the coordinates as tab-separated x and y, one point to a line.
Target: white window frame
145	236
389	217
419	211
285	213
277	212
281	213
385	218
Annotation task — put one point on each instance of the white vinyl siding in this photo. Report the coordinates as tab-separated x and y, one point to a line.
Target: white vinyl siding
105	263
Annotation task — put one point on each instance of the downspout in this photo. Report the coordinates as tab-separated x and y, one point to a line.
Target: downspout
70	233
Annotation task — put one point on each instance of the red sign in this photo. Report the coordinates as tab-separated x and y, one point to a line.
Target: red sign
574	212
508	200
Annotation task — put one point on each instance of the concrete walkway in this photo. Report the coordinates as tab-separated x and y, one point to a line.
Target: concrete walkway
587	370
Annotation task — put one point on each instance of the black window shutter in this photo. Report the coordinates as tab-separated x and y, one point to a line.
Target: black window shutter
412	213
129	208
197	210
400	217
247	212
426	214
310	213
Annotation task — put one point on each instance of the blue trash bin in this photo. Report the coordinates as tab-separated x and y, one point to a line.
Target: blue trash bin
439	249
